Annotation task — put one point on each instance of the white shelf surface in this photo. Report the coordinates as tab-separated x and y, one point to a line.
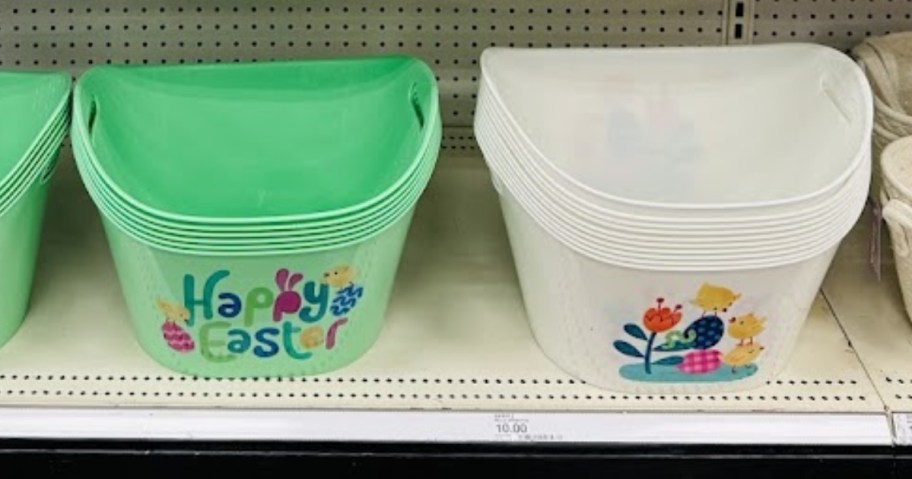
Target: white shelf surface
456	351
875	320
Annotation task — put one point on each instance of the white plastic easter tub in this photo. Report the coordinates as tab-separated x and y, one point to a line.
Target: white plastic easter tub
652	329
706	133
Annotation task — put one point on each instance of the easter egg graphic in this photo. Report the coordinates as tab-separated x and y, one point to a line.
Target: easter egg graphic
176	337
346	299
701	362
707	331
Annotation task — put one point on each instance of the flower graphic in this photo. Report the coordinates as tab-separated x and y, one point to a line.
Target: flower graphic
659	319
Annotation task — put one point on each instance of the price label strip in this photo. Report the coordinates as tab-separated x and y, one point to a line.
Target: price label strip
510	427
690	428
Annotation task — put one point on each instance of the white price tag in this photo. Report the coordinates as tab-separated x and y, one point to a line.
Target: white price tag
510	427
902	429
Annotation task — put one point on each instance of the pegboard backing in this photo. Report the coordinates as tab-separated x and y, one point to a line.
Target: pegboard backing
838	23
448	34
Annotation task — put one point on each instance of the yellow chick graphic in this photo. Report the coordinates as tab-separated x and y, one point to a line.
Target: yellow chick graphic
339	276
714	298
742	355
745	327
173	312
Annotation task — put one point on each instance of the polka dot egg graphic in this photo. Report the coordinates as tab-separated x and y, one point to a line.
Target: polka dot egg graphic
707	331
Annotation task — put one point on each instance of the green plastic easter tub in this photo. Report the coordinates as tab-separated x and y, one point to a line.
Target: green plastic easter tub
285	314
343	290
246	145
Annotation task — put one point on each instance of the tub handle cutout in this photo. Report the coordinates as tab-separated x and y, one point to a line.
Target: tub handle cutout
92	117
898	215
838	102
51	166
416	105
498	185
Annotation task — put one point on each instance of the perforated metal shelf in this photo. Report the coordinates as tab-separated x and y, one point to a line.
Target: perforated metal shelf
456	337
874	318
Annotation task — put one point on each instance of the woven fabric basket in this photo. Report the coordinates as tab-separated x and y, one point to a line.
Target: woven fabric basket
896	198
887	62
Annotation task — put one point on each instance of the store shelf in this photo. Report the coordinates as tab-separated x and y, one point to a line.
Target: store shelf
872	313
456	349
456	361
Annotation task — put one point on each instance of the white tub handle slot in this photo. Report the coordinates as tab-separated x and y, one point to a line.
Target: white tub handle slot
498	186
839	102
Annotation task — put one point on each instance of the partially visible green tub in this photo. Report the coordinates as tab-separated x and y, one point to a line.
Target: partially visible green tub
20	234
35	117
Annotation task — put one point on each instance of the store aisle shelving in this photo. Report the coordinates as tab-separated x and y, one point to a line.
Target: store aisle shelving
456	353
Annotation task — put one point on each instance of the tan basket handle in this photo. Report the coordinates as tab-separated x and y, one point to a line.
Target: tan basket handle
880	67
898	215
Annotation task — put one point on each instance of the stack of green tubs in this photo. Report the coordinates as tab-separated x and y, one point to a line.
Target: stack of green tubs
256	213
35	119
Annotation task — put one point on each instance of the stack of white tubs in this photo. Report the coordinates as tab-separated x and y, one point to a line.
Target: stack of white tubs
673	211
